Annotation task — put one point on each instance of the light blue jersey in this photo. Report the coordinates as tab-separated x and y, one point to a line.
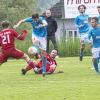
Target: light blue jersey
99	20
95	34
40	32
81	23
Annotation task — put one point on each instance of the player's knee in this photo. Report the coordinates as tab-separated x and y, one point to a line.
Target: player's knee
25	56
35	41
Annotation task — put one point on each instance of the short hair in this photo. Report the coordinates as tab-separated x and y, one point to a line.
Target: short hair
35	15
95	18
98	6
5	24
81	6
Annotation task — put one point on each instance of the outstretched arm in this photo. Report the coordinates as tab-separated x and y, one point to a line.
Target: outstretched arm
43	24
23	35
20	22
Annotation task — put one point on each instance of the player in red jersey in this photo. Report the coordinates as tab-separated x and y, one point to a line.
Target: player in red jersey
50	64
8	49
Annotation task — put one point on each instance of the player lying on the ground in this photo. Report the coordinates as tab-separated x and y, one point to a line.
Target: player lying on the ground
50	64
8	49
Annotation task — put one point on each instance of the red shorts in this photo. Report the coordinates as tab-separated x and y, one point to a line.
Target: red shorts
48	68
12	52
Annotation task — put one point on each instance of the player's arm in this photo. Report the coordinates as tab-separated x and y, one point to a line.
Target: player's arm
20	36
23	35
43	24
19	23
77	23
90	39
52	69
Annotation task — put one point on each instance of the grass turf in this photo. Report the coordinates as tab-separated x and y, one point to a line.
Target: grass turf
78	82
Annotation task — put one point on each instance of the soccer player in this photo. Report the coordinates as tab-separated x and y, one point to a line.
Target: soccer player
38	35
81	22
8	49
98	8
95	44
50	64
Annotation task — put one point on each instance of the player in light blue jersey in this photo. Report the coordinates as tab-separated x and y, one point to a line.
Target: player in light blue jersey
81	22
94	34
98	8
38	35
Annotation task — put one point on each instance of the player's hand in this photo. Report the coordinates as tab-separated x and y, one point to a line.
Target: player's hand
81	25
85	22
15	26
25	31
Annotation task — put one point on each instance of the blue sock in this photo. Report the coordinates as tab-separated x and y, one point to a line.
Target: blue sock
43	64
95	64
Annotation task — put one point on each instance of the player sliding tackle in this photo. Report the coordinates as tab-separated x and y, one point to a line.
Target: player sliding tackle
8	49
50	63
38	35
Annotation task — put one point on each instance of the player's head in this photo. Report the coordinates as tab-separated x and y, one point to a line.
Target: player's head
35	17
98	8
48	13
53	53
5	24
82	8
94	21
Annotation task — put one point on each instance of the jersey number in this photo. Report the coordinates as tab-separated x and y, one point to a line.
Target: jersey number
5	39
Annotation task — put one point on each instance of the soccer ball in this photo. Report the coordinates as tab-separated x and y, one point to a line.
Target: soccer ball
36	70
32	50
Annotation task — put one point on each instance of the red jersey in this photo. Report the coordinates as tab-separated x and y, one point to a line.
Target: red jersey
7	38
50	61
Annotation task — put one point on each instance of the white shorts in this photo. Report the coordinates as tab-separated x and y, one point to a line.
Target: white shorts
40	41
95	52
84	37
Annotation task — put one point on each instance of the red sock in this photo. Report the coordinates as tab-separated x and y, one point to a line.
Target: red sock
30	65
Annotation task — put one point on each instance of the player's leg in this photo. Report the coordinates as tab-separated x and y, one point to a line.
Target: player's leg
43	43
82	50
35	42
82	47
19	54
3	58
95	54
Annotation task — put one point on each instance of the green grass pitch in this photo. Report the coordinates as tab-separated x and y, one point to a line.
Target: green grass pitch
78	82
